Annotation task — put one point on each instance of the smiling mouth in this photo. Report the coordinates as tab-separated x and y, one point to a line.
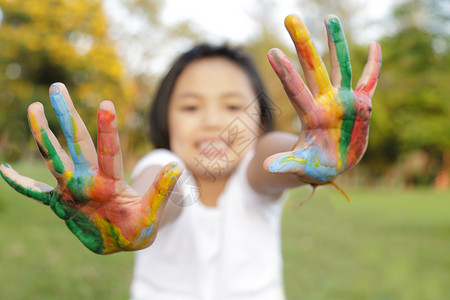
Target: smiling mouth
212	148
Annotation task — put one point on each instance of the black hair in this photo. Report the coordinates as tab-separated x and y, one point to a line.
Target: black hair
158	117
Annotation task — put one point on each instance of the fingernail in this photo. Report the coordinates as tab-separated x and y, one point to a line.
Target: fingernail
106	105
54	89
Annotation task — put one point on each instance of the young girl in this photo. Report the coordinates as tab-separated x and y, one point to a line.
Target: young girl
220	231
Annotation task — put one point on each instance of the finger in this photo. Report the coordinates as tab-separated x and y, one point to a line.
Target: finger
315	71
295	88
56	158
80	144
371	72
341	70
37	190
158	193
108	145
26	186
155	199
310	164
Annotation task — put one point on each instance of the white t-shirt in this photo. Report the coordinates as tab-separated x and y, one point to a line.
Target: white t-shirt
231	251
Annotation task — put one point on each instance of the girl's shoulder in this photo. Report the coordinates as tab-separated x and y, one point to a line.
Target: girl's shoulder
157	157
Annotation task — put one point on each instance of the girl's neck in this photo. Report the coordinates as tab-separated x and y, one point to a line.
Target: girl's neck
211	189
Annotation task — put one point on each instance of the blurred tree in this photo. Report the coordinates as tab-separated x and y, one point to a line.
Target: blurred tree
147	46
42	42
265	38
312	11
412	108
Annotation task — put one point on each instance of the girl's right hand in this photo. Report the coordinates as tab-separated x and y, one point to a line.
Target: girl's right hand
91	196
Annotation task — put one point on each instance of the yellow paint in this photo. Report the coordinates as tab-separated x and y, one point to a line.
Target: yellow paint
162	188
305	48
75	130
323	81
67	175
107	230
33	123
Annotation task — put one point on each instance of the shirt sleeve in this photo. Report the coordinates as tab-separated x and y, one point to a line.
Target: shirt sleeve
158	157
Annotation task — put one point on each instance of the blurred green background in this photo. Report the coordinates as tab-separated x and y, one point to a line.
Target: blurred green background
390	242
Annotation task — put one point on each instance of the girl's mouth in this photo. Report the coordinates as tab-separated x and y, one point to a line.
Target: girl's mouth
212	148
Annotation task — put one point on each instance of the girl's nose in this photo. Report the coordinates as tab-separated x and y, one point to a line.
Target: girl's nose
212	117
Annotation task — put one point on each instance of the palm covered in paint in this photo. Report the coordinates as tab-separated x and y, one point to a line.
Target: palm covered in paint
335	119
91	196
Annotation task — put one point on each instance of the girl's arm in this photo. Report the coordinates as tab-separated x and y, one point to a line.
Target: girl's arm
335	119
265	182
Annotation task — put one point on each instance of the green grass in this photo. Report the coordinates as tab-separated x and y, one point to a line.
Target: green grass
384	245
41	260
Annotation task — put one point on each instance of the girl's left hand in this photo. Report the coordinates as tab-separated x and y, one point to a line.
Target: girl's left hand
335	119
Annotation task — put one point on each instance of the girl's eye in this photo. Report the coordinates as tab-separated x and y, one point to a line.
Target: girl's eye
232	107
189	108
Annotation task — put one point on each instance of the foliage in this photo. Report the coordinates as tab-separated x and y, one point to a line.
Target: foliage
147	46
73	42
48	41
265	39
411	111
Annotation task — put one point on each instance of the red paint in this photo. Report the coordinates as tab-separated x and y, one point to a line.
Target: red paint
303	43
104	181
307	53
358	142
104	188
105	118
274	60
369	85
108	145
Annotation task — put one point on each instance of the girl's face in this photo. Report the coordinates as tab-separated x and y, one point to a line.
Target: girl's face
213	117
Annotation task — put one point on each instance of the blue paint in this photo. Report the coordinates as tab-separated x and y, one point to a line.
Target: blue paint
149	230
145	232
311	162
66	121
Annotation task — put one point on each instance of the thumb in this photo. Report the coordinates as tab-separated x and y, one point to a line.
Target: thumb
310	164
159	192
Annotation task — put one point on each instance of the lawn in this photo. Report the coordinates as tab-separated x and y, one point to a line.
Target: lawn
383	245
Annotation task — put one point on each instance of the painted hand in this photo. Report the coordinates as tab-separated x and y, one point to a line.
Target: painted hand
92	196
335	119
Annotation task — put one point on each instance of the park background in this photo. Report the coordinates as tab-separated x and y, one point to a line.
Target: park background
390	242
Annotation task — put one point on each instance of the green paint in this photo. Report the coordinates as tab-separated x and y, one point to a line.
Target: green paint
315	162
38	195
86	231
78	186
277	61
80	224
338	37
50	198
115	236
348	122
51	152
60	207
300	160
